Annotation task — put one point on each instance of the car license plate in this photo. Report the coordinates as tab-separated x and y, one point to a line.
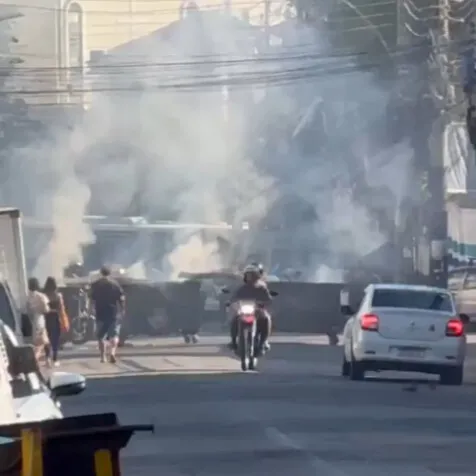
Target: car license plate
411	353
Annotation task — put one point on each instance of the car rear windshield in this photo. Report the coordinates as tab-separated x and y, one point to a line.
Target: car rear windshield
404	298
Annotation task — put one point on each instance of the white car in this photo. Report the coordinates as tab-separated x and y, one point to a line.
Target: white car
34	397
405	328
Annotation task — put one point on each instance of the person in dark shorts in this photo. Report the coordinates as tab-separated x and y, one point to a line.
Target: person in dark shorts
108	299
54	319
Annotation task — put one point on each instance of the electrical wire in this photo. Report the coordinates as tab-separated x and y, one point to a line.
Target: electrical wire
151	69
310	60
284	76
217	60
370	5
367	16
202	84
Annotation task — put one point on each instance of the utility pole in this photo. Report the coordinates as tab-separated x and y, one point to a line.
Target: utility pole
469	63
447	102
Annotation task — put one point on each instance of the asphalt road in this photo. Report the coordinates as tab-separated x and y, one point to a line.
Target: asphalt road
296	415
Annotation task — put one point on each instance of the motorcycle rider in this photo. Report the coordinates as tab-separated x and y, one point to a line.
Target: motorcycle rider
260	269
264	283
253	289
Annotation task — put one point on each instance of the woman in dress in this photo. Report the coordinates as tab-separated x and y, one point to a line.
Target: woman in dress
56	319
37	305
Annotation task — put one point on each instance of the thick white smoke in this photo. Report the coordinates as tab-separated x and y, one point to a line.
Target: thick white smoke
44	183
203	155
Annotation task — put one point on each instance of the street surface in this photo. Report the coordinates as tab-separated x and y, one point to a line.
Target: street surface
296	415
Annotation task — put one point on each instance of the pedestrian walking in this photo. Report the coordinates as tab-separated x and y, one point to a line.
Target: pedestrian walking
37	307
108	299
56	320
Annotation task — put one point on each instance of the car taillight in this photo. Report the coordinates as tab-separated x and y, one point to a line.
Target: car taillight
369	322
454	327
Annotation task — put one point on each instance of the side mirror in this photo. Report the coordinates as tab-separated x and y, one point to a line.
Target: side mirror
64	384
23	360
274	293
225	290
346	310
464	318
228	304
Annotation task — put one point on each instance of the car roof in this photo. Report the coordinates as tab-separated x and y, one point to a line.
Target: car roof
406	287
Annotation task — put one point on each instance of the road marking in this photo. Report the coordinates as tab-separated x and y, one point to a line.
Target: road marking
321	467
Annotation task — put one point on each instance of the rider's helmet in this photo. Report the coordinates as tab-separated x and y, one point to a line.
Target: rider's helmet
251	274
259	267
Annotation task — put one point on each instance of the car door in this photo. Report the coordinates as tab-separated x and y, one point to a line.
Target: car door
466	297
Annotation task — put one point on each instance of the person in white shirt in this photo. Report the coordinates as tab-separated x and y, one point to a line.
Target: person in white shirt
37	305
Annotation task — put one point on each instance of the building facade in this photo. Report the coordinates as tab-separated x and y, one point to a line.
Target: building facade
56	38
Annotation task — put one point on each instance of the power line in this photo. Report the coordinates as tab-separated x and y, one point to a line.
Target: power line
37	69
217	61
297	73
217	5
204	82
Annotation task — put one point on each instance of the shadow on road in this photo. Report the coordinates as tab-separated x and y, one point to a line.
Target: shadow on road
471	346
184	350
124	390
298	351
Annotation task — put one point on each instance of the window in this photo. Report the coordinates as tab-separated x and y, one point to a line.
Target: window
455	280
470	281
409	299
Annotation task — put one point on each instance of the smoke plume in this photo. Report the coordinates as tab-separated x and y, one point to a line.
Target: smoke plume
176	144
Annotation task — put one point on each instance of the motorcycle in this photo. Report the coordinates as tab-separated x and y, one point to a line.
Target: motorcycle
248	336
